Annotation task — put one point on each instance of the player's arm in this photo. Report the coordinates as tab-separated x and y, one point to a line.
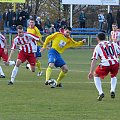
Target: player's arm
93	63
92	69
14	44
41	42
5	43
36	38
48	40
79	43
5	48
11	54
39	35
111	38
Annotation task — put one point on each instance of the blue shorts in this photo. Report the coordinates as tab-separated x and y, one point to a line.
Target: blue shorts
55	57
38	53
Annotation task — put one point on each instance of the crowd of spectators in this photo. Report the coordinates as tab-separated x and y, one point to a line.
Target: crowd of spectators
21	17
13	19
105	20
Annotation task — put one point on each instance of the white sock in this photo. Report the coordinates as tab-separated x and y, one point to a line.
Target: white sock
98	84
28	65
14	73
11	63
113	84
1	71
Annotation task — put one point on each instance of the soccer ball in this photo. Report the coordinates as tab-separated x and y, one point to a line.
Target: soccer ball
52	83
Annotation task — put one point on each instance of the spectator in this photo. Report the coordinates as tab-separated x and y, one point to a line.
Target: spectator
101	20
13	24
25	15
110	21
5	19
57	24
64	22
11	15
20	21
52	29
82	19
118	18
47	23
31	17
38	24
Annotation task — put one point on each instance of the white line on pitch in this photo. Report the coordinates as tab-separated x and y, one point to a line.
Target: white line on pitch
36	81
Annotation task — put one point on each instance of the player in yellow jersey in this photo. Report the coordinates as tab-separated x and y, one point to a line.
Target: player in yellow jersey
35	31
60	42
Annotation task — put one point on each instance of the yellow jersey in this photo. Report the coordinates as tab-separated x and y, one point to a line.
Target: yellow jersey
35	31
60	43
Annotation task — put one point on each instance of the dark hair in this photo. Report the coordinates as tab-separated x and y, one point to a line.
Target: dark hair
19	27
68	28
101	36
32	19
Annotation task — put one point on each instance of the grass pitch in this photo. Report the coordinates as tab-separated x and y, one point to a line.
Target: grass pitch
30	99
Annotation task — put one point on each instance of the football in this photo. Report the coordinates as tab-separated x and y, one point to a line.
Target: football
52	83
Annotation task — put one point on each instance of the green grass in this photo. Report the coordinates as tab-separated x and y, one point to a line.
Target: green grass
30	99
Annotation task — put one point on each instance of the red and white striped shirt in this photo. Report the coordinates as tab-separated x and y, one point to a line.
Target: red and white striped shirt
115	35
2	41
107	52
27	43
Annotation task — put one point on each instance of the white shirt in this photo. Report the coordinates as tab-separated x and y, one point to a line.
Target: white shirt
101	18
2	41
115	35
26	43
107	52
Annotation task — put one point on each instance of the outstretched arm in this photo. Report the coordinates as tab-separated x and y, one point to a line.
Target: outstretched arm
79	43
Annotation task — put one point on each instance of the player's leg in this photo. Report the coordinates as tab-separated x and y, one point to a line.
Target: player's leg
98	86
113	86
14	71
49	72
32	61
100	72
113	73
38	63
5	58
51	63
64	70
2	75
21	58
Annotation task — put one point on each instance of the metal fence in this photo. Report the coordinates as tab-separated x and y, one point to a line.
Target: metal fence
90	39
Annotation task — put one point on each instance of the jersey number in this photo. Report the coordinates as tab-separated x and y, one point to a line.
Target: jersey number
109	51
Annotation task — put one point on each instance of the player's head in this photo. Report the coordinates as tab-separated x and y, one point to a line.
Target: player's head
114	27
31	23
101	36
20	30
67	31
